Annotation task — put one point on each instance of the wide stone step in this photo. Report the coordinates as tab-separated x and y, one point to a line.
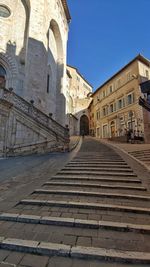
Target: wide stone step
111	163
140	152
99	160
108	169
71	222
52	249
100	173
100	179
84	205
97	165
140	188
141	156
93	194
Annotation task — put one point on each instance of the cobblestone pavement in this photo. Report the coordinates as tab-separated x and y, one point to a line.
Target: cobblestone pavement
93	212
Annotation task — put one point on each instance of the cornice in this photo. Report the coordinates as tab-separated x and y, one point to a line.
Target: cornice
66	9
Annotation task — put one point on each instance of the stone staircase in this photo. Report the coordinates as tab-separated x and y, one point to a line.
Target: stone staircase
26	130
95	209
142	155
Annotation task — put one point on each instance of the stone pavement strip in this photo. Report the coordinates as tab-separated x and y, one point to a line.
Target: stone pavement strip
93	212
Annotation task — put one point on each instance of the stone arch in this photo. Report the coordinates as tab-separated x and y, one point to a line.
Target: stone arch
56	61
11	69
26	4
57	34
84	125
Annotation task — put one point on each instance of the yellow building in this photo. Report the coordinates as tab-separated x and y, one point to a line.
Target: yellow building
115	108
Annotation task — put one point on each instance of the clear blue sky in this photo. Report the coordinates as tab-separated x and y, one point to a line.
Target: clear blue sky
106	34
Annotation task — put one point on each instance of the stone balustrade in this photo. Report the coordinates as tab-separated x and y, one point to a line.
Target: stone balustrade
29	109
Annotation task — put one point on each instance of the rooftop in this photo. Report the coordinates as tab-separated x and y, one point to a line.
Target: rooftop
80	75
139	57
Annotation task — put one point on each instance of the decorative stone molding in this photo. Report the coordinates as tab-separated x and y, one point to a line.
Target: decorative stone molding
33	112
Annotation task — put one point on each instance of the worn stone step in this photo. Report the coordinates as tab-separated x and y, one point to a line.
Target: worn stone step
97	165
100	179
71	222
92	194
84	205
108	169
113	163
100	160
100	173
51	249
140	152
141	156
140	188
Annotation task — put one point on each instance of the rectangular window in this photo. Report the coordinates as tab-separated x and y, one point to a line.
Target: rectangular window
105	111
147	74
111	108
130	98
123	102
110	89
119	103
104	94
98	115
48	78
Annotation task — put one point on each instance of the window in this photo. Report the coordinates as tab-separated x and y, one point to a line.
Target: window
2	71
98	115
48	79
130	98
2	77
123	102
110	89
4	12
119	103
104	93
147	74
104	111
78	79
111	108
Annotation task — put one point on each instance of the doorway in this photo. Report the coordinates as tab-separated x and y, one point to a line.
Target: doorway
84	125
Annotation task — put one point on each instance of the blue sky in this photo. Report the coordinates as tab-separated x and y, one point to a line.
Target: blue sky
106	34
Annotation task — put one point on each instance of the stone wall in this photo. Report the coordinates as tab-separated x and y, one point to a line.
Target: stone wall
33	46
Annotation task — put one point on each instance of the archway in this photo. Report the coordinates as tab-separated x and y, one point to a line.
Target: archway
84	125
2	76
55	62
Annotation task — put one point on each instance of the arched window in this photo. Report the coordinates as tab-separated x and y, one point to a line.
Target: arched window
2	76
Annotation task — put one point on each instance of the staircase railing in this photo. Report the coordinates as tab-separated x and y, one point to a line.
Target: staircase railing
29	109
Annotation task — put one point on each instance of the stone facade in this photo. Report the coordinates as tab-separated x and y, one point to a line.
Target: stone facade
115	108
33	52
33	48
79	93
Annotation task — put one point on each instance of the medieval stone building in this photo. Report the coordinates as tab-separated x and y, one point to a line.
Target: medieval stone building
33	44
80	97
